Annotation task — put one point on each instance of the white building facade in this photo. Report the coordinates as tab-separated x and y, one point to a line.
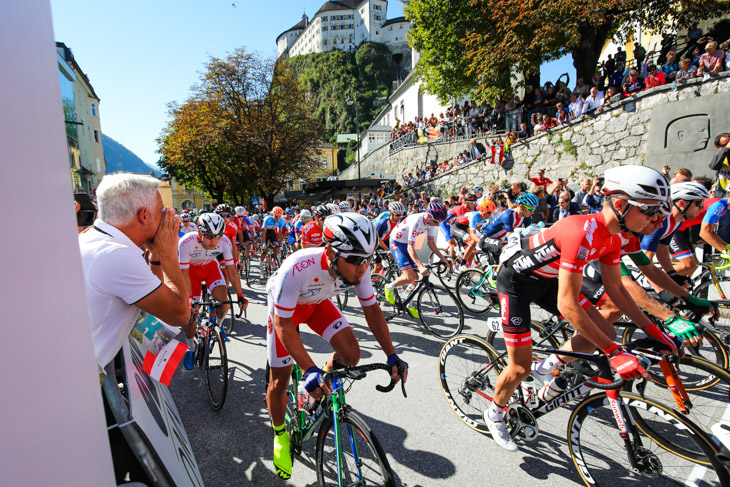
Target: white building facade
345	24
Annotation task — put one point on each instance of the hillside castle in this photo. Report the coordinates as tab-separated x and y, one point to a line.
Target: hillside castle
344	25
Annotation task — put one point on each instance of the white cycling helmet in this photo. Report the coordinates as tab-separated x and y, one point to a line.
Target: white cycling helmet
345	206
240	211
689	191
334	209
636	182
397	207
211	223
350	233
305	215
255	217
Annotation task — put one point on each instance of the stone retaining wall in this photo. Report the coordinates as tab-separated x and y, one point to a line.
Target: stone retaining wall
664	125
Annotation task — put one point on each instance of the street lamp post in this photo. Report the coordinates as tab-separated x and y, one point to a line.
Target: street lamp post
349	102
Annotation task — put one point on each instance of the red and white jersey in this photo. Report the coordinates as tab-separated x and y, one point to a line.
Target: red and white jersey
191	251
304	278
241	223
410	228
569	244
312	234
231	231
192	227
256	225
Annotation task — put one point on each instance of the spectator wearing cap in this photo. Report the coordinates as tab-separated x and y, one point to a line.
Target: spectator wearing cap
711	61
540	180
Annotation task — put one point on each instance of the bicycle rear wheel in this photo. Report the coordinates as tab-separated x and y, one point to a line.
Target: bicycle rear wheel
473	293
440	311
468	371
363	459
216	369
600	456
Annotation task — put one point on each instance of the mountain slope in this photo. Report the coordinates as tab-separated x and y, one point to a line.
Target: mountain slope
119	158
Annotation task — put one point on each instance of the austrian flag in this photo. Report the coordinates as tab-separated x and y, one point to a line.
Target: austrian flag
162	366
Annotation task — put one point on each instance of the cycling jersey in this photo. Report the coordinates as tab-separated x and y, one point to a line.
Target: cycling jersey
701	215
662	235
189	229
472	220
312	235
410	228
715	211
270	224
301	289
454	212
384	228
192	253
231	231
506	222
385	215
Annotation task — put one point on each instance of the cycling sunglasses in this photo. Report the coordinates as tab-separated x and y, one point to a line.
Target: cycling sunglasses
210	236
225	215
528	208
357	259
648	210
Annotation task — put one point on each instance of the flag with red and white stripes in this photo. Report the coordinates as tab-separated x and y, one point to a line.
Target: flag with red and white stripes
162	366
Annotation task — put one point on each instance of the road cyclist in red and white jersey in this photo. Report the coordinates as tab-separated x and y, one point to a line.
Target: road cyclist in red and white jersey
469	200
300	292
198	253
312	231
245	231
383	229
547	269
402	246
186	224
231	230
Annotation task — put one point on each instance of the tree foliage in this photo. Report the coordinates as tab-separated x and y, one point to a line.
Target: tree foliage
329	76
247	126
470	45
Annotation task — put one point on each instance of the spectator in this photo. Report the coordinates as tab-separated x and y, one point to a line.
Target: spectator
670	67
620	56
477	149
594	101
594	199
562	114
580	195
612	96
680	175
711	61
576	105
617	78
695	56
512	194
609	66
528	105
655	77
581	88
540	180
513	114
541	212
686	71
725	46
634	84
120	280
523	133
548	123
668	41
85	211
639	54
565	207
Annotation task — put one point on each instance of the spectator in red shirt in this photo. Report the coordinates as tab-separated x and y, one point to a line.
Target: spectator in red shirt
540	180
655	78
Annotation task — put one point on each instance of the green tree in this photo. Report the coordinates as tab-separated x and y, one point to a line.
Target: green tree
248	125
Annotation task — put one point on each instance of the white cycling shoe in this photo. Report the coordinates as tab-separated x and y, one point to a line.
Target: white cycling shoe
498	430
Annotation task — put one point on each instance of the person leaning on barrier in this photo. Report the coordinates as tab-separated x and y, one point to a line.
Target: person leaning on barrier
119	280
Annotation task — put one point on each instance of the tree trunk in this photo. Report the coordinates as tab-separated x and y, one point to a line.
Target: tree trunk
586	54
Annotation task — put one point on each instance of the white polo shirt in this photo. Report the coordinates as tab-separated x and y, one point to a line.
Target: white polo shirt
116	277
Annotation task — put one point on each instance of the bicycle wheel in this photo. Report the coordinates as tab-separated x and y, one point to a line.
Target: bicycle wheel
468	370
708	388
216	369
473	293
712	349
540	336
708	290
342	299
226	322
363	459
440	311
600	456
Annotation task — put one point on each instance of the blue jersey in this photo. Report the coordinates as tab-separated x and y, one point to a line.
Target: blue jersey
475	220
270	224
715	211
662	235
382	216
505	223
383	229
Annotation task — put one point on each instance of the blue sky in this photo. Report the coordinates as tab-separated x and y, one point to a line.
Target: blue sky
142	54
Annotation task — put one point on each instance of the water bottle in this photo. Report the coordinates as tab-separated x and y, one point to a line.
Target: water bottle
304	399
529	391
553	389
533	229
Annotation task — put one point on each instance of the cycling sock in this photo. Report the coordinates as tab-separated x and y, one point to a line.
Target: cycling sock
548	365
496	412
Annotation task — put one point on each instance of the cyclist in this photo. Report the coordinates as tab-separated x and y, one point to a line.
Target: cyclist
503	225
469	200
245	230
396	210
186	225
687	201
402	246
271	230
304	217
345	207
300	292
547	269
312	231
708	228
198	253
466	228
231	230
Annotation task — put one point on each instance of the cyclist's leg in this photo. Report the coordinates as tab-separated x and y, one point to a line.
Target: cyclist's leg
219	291
405	263
327	321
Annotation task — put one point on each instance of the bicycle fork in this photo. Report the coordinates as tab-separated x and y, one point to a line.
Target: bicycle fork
639	457
339	409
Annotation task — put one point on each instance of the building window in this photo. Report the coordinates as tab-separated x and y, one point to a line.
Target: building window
377	17
96	136
93	109
324	28
324	19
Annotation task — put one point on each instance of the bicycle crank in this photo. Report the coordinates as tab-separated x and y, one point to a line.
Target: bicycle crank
646	463
522	422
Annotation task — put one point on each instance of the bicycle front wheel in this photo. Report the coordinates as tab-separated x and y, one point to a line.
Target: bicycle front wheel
440	311
600	454
468	371
363	461
342	299
472	291
229	319
216	369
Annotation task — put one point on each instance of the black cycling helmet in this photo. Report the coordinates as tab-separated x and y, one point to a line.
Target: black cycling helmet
223	208
322	211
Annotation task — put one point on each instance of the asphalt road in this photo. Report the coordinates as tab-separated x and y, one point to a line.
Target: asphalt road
426	443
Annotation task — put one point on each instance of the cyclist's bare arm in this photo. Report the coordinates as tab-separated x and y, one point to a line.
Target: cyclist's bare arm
376	321
434	249
644	301
611	275
381	242
708	233
664	258
234	278
661	281
569	287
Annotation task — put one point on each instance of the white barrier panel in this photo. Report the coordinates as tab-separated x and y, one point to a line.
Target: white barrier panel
52	429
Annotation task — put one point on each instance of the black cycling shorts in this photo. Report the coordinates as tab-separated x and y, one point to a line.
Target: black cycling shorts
491	245
681	244
516	293
246	236
271	237
459	232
